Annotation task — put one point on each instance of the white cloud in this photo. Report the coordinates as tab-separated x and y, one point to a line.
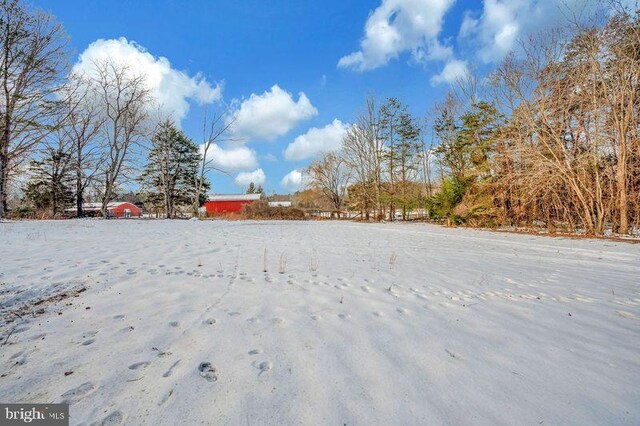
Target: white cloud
316	140
502	23
270	158
499	26
452	71
295	180
231	159
245	178
172	89
398	26
270	114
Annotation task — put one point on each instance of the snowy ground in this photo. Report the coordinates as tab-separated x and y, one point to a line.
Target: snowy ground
366	324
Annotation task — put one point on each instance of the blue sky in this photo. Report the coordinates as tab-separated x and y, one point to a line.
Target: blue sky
283	68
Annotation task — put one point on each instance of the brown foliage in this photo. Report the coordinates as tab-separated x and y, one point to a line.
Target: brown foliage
260	210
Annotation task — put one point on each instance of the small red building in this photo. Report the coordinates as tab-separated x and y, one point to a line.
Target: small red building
119	209
231	203
123	209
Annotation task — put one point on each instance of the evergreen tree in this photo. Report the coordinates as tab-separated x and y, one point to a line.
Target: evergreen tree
389	115
251	189
407	151
50	184
171	171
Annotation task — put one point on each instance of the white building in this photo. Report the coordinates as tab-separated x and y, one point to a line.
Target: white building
279	203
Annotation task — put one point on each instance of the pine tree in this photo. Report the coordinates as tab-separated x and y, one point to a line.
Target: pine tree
251	189
50	184
407	157
171	171
390	114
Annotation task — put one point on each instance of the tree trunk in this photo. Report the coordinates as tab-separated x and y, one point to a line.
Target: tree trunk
621	183
79	187
4	172
106	197
4	165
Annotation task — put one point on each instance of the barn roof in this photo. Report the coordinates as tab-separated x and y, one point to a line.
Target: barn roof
97	206
235	197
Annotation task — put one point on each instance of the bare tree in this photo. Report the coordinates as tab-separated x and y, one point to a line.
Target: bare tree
363	153
620	80
330	175
123	98
214	131
32	59
82	128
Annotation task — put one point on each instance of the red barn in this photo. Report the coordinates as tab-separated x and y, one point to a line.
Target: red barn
120	209
232	203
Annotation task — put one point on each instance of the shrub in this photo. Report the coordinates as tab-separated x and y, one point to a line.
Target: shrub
260	210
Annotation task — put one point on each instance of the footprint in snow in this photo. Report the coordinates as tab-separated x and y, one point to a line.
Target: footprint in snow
210	321
17	354
174	323
88	342
161	353
264	367
278	320
121	316
139	365
77	393
165	397
169	372
255	351
344	316
114	418
208	371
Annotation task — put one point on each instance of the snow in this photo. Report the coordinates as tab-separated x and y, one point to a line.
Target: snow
366	324
234	197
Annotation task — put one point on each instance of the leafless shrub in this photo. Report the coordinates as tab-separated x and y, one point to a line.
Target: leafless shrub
264	261
315	262
392	259
283	264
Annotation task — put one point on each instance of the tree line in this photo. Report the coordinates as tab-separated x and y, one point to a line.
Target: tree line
549	139
67	136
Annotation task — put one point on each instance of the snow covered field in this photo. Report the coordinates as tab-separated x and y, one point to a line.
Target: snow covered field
176	322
